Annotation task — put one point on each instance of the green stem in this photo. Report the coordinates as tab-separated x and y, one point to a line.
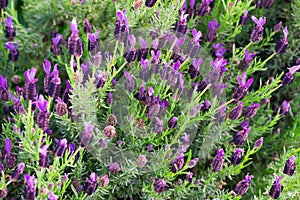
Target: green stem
118	71
246	47
115	50
269	58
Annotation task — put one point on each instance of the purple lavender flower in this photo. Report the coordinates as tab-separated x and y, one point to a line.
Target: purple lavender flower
4	92
104	181
86	137
30	191
177	50
282	44
218	160
87	26
153	110
277	27
242	187
149	147
141	160
172	122
16	174
180	26
55	84
143	50
258	31
30	87
218	50
10	32
206	106
194	46
244	64
93	42
236	112
43	117
114	168
9	157
121	31
288	77
240	137
150	3
155	66
212	32
276	188
250	111
3	4
177	163
61	147
75	47
56	41
13	51
285	107
91	184
259	142
3	192
203	8
160	185
130	53
241	90
61	107
189	177
193	162
237	155
194	69
244	18
44	157
129	82
290	166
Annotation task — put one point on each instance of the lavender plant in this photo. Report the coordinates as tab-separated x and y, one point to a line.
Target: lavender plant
147	100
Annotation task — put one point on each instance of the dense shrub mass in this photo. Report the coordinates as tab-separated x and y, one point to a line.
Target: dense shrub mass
149	99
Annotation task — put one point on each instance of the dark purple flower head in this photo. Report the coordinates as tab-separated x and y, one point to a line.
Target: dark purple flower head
12	46
277	27
73	26
145	63
16	174
243	82
56	39
250	111
143	43
242	187
259	142
288	77
196	35
282	44
114	168
237	155
8	146
248	57
189	177
290	166
91	184
93	37
177	163
172	122
160	185
42	104
8	22
276	188
218	160
259	22
149	147
240	137
60	147
285	107
29	75
87	26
